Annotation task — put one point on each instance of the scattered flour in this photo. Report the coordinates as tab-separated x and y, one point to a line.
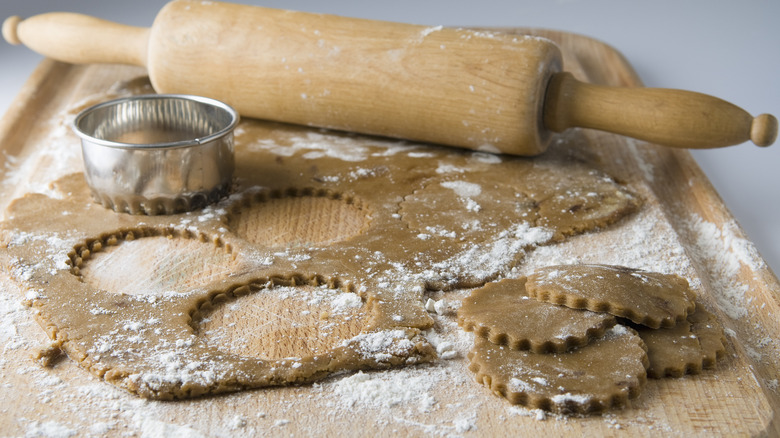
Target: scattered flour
724	254
483	259
321	145
59	154
429	30
55	259
643	241
153	428
381	345
463	188
384	390
49	429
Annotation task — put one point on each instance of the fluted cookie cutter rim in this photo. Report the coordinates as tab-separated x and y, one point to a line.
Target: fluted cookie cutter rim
187	165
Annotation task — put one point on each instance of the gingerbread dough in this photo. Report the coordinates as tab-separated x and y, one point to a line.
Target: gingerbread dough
711	336
687	348
605	373
648	298
503	313
140	301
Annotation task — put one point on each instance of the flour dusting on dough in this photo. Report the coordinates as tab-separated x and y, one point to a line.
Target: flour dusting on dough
316	145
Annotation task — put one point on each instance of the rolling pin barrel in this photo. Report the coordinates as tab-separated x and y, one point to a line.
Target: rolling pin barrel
457	87
464	88
479	90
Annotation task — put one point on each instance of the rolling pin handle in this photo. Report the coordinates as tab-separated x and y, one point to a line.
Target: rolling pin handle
763	130
79	39
675	118
10	33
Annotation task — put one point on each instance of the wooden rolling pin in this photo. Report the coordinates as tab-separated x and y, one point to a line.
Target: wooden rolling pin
480	90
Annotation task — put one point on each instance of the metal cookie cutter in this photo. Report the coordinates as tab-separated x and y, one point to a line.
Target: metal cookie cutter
157	154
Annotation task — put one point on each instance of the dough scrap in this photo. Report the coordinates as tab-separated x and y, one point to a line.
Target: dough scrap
503	313
134	321
574	210
648	298
687	348
604	374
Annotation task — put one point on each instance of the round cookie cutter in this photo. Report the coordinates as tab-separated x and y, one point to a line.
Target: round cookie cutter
159	153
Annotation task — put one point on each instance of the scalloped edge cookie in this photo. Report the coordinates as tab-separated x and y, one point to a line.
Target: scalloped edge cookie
503	313
688	348
651	299
606	373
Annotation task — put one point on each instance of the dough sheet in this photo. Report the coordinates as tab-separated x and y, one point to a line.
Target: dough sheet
145	302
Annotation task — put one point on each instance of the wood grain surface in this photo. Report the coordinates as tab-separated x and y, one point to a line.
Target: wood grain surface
738	397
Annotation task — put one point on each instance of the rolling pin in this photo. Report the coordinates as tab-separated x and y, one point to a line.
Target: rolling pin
486	91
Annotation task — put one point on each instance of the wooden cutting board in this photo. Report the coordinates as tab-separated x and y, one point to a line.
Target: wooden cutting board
739	397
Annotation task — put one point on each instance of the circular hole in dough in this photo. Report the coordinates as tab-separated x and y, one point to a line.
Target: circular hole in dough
284	321
156	264
299	219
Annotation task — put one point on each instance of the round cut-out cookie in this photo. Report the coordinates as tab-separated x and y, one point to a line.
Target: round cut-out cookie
503	313
648	298
605	373
687	348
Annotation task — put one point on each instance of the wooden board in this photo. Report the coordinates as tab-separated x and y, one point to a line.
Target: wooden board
683	212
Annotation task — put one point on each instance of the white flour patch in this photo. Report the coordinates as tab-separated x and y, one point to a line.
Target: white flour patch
154	428
724	254
55	156
463	188
483	259
445	168
316	145
384	390
13	317
381	345
643	241
49	429
429	30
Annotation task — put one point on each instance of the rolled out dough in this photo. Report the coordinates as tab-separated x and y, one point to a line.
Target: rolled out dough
135	299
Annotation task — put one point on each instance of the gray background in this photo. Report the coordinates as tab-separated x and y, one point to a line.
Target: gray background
729	49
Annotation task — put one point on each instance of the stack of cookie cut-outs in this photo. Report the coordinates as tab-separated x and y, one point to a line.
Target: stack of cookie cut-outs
582	339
